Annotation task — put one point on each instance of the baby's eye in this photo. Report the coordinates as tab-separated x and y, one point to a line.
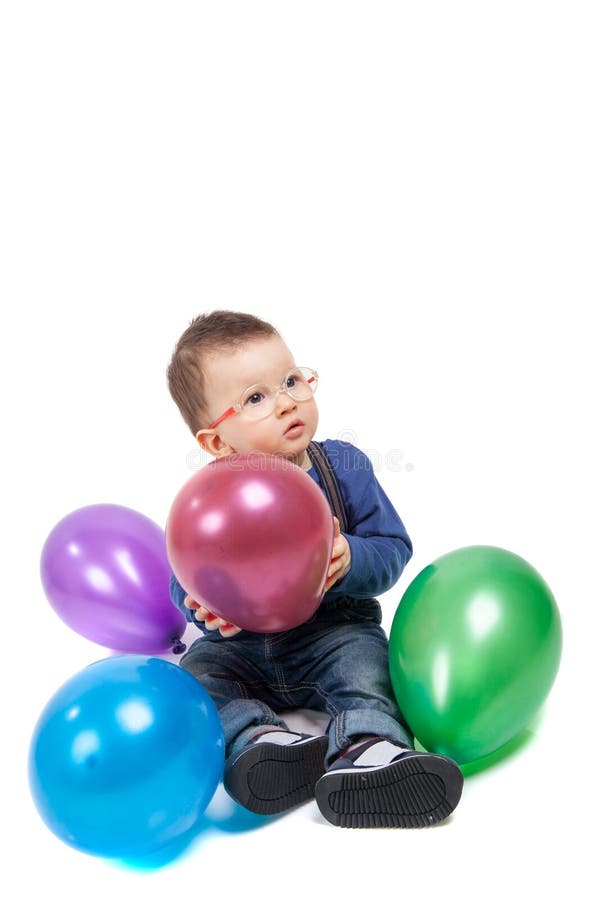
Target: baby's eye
292	380
255	398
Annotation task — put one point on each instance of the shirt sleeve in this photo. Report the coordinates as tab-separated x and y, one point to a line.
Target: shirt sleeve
379	544
178	595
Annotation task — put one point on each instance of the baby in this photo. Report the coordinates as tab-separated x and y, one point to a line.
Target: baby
239	389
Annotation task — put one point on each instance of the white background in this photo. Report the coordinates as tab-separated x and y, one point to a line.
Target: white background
410	193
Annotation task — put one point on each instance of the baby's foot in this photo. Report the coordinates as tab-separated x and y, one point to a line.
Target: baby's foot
275	771
380	784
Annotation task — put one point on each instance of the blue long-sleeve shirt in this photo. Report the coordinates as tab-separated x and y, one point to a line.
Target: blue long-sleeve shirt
379	544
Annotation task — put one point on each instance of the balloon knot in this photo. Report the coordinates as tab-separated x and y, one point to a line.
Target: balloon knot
178	647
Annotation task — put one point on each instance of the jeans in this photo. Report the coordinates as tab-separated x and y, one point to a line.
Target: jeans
336	663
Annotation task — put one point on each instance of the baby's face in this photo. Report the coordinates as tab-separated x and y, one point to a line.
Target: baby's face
260	361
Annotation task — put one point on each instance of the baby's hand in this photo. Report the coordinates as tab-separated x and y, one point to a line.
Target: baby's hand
340	557
211	621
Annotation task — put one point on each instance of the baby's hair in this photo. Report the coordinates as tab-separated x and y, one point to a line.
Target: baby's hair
221	330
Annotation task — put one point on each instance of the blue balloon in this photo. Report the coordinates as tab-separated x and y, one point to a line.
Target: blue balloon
126	756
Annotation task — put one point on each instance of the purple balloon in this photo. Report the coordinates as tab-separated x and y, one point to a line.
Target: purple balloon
105	571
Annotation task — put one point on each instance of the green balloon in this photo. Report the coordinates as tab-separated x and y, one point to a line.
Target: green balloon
474	649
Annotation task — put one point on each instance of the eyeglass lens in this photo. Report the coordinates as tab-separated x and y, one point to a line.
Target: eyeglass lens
299	383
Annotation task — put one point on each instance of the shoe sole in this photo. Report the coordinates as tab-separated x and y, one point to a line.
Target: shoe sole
410	793
270	778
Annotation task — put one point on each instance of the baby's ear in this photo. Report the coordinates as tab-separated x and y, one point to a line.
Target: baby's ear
213	443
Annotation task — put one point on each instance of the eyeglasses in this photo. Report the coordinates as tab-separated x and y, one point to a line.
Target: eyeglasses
258	401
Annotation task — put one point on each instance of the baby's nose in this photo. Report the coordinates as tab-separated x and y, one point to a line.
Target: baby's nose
284	401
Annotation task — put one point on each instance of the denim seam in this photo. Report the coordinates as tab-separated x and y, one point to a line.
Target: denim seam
243	688
278	669
270	715
330	708
282	686
267	645
340	722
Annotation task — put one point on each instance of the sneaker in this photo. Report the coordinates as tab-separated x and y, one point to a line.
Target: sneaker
380	784
276	771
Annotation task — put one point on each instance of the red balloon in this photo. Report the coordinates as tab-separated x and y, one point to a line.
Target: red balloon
250	537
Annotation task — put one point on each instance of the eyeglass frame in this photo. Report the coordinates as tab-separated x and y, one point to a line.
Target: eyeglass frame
280	388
